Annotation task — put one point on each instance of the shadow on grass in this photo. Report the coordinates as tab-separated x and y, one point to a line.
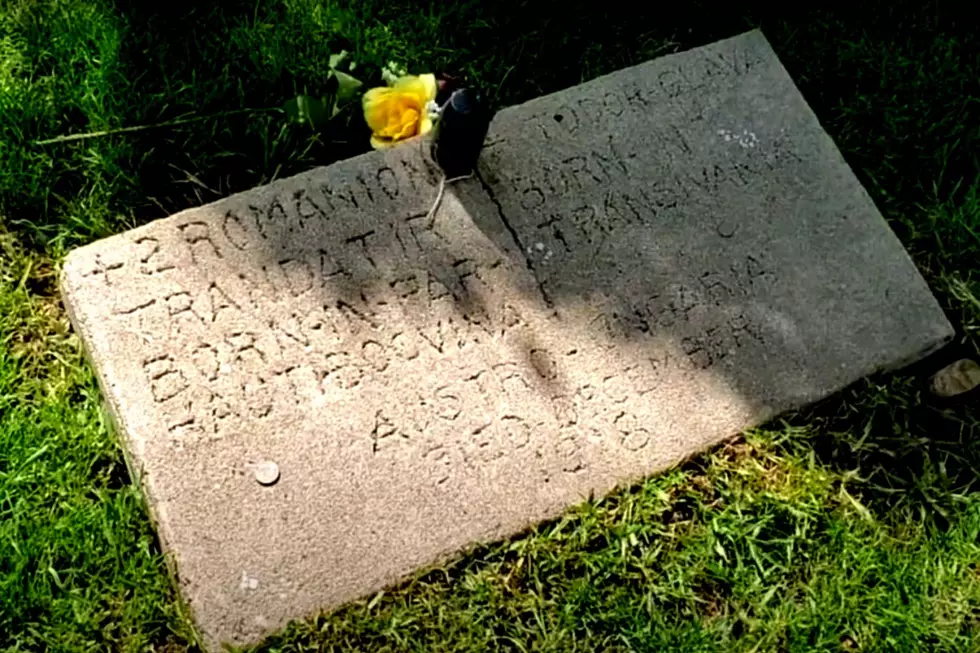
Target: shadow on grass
903	130
912	452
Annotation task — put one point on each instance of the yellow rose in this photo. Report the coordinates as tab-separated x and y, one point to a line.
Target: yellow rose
401	111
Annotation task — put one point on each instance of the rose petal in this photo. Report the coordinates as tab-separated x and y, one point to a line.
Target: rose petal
380	143
409	124
376	109
417	87
431	87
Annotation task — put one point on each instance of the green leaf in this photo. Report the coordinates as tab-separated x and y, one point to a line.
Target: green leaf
347	86
336	59
376	600
307	110
342	88
720	550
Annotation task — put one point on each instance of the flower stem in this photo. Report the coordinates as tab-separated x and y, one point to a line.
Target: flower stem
138	128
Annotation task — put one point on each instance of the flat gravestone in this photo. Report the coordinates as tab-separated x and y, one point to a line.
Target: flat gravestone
322	389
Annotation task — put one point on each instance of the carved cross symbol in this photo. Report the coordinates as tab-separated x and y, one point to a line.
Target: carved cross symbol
101	268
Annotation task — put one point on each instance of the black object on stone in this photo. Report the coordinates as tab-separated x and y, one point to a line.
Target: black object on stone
460	133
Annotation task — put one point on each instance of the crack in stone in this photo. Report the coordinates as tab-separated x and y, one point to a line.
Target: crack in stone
517	239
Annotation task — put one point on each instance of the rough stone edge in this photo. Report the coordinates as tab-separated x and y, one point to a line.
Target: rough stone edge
117	430
945	331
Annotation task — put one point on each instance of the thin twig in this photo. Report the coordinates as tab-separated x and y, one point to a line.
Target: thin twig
137	128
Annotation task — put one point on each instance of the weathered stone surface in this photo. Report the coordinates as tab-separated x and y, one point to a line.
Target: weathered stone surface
648	264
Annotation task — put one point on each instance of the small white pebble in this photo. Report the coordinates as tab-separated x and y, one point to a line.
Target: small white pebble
248	583
265	472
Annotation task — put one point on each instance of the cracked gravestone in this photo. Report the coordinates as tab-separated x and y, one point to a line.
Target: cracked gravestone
321	388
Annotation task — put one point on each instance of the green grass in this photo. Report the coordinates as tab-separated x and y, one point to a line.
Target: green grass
854	526
78	565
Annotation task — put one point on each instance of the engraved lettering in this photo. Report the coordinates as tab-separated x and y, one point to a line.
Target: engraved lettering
385	434
306	208
672	82
611	164
441	463
404	346
544	364
567	118
373	352
448	403
147	263
532	197
355	318
101	268
166	381
613	103
289	328
180	302
220	301
437	289
367	189
361	239
388	182
633	436
569	451
330	269
342	371
276	213
516	430
234	231
135	308
405	287
635	96
205	358
694	348
742	328
197	235
344	196
579	165
299	276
